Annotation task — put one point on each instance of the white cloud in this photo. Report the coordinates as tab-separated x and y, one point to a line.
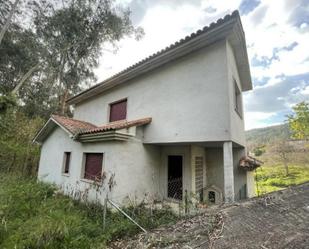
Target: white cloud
258	120
275	31
163	25
305	91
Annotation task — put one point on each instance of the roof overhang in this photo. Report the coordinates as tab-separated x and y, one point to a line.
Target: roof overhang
84	132
228	28
238	42
249	163
49	126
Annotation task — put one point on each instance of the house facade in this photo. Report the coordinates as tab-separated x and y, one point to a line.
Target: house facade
168	125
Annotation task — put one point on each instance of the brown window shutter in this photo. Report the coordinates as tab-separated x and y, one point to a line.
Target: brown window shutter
118	111
93	166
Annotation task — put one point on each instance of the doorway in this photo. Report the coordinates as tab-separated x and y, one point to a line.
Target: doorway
174	176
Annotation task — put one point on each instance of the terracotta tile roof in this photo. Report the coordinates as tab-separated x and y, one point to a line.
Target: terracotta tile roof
78	127
249	163
118	125
73	125
206	29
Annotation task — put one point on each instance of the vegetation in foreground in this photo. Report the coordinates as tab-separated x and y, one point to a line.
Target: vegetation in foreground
273	177
33	215
285	151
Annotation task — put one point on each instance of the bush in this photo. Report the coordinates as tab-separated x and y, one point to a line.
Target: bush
34	216
272	177
18	153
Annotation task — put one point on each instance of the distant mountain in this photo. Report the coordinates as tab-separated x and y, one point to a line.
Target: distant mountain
268	134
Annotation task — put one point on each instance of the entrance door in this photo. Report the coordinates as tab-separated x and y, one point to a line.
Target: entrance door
174	176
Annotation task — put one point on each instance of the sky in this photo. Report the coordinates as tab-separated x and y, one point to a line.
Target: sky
277	36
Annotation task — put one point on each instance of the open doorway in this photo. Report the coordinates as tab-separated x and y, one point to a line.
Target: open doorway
174	185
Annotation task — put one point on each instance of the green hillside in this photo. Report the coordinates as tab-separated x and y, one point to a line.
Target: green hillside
268	134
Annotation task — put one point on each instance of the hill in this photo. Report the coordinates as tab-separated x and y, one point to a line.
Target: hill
268	134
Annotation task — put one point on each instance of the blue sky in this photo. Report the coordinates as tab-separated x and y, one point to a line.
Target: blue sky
277	35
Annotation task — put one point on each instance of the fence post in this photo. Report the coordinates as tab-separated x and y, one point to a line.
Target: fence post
186	202
104	212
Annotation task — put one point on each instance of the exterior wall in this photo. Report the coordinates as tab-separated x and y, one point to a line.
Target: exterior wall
179	96
183	151
237	123
136	166
214	167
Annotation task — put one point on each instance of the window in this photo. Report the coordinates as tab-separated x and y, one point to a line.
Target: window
237	99
93	166
66	164
212	197
118	111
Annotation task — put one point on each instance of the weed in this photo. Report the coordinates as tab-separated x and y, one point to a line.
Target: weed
272	177
34	215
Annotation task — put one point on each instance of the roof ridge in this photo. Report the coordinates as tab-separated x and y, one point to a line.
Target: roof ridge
201	31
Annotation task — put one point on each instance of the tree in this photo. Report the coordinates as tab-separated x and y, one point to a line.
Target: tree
259	150
17	153
299	121
4	10
6	102
74	35
6	24
19	52
283	150
45	64
45	61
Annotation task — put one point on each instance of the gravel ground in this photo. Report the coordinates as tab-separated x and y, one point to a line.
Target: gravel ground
277	220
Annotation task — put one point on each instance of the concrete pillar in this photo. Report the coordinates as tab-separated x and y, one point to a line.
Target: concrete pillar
228	172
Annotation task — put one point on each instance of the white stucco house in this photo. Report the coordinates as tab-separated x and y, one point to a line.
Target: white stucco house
171	123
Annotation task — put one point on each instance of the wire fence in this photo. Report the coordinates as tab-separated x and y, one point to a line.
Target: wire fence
174	188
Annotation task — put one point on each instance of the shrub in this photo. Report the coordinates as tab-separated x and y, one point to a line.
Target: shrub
33	216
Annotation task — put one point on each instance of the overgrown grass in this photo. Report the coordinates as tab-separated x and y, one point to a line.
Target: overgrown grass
272	177
33	216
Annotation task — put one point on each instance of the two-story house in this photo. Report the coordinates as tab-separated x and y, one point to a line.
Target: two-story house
169	124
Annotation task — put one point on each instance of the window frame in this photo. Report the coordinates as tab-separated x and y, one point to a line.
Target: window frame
65	163
83	171
238	106
110	109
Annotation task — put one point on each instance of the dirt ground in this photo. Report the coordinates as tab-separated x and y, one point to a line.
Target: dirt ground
277	220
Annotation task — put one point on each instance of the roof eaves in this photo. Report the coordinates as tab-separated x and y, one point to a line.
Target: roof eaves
117	126
39	137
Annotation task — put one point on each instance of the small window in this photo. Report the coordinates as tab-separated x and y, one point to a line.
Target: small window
237	99
212	197
118	111
93	166
66	164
